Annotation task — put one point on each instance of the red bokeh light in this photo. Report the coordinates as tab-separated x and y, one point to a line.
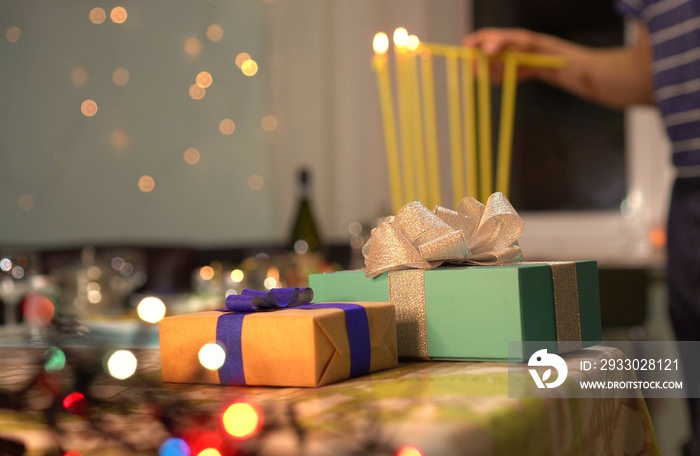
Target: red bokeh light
37	309
75	403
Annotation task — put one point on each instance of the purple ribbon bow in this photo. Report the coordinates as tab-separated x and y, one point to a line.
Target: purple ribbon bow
230	326
277	298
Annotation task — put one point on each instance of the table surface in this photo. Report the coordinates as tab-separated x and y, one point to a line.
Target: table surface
440	408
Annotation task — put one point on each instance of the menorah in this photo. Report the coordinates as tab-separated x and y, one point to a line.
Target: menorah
412	146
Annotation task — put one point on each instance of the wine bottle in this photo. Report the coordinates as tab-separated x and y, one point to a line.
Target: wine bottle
304	235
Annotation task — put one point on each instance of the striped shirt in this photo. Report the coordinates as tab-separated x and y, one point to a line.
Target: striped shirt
674	34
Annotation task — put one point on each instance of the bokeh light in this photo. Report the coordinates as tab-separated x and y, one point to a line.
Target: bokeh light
146	184
409	450
118	15
215	32
79	76
97	15
400	37
151	309
412	43
54	360
12	34
241	420
121	364
212	356
255	182
270	283
75	403
88	108
120	76
249	67
174	447
242	58
197	92
206	444
191	156
119	139
25	201
209	452
657	238
38	310
72	453
227	127
269	123
204	79
380	44
206	272
237	276
193	46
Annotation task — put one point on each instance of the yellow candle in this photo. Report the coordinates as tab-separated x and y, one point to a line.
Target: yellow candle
400	43
485	168
453	108
470	124
416	115
381	45
505	140
428	85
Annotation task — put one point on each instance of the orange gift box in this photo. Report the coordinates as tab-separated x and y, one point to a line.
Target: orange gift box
303	346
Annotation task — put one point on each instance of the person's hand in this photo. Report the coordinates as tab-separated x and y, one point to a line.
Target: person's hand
494	41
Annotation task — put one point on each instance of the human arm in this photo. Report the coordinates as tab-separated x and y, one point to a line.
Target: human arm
615	77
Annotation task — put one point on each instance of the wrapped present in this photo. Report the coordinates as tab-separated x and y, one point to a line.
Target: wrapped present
279	338
476	312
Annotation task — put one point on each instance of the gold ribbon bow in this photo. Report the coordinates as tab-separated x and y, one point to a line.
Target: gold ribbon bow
418	238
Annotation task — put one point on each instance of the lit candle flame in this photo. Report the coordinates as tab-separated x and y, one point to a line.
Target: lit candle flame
400	37
412	42
380	43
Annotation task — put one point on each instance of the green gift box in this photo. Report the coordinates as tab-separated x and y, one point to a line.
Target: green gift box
481	312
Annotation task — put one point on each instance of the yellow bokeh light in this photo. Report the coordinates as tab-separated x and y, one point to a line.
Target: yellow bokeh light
25	201
227	127
242	58
118	15
409	450
249	67
215	32
146	184
122	364
120	76
211	356
88	108
412	43
380	44
79	76
191	156
206	272
209	452
241	420
269	123
151	309
255	182
12	34
237	276
193	46
119	139
400	37
97	15
204	79
196	92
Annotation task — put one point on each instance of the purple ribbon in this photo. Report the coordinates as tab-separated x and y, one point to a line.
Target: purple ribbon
230	325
